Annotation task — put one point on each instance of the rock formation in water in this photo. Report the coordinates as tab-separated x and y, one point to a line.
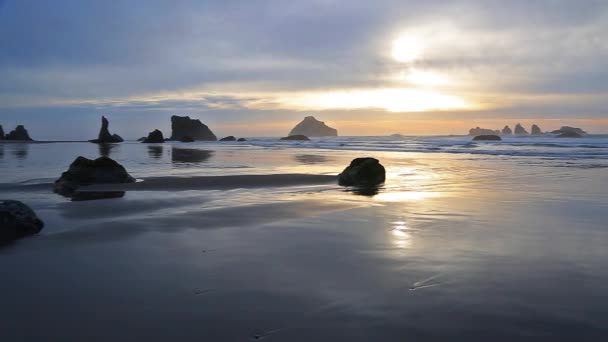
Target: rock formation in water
141	139
363	172
83	171
296	137
507	130
520	130
568	129
569	134
186	139
536	130
312	127
17	220
242	139
1	133
490	137
155	136
183	126
19	133
228	138
104	136
482	131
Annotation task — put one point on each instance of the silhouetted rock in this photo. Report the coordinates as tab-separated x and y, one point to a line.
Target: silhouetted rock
507	130
228	138
19	133
186	139
569	134
104	136
17	220
363	172
536	130
489	137
83	171
182	126
141	139
1	133
312	127
296	137
568	129
242	139
155	136
520	130
482	131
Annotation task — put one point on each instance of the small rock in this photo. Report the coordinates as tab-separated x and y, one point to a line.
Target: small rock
363	172
17	220
85	171
296	137
487	138
155	136
242	139
228	138
568	134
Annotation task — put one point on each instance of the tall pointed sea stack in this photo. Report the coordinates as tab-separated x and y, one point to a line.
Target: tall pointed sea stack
104	136
312	127
507	130
19	133
536	130
520	130
183	126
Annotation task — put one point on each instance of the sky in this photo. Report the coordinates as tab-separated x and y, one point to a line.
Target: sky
256	68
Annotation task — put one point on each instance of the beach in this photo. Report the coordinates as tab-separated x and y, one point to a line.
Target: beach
256	241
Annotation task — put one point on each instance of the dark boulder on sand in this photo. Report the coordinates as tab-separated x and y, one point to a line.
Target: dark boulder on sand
536	130
155	136
186	139
296	137
520	130
363	172
507	130
183	126
569	135
228	138
312	127
489	137
242	139
19	133
85	171
17	220
104	136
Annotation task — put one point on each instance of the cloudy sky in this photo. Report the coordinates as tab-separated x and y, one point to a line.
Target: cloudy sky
255	68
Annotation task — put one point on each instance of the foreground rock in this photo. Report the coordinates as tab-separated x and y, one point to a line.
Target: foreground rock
507	130
183	126
155	136
17	220
568	129
312	127
482	131
363	172
228	138
296	137
569	135
490	137
19	133
104	136
85	171
520	130
536	130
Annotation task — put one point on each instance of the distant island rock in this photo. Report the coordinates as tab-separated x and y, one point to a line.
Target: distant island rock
183	126
507	130
536	130
312	127
568	129
569	134
363	172
296	137
155	136
1	133
228	138
242	139
17	220
482	131
104	136
489	137
83	171
19	134
520	130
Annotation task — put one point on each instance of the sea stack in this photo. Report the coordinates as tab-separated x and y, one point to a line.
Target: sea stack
155	136
104	136
536	130
183	126
1	133
520	130
19	133
507	130
568	129
312	127
482	131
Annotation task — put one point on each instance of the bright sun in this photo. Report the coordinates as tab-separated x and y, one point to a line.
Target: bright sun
406	49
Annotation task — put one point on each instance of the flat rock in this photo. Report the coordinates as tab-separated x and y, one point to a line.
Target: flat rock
296	137
228	138
489	137
363	172
17	220
242	139
569	135
83	171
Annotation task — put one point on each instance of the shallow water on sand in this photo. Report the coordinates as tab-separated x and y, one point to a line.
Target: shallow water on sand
453	247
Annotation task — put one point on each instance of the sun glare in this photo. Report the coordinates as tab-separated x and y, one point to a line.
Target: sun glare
425	78
406	49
